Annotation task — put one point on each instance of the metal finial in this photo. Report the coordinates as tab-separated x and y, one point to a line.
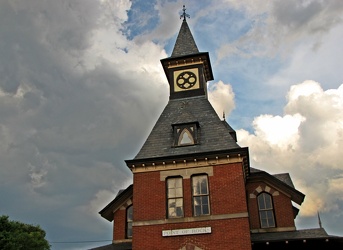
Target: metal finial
184	14
224	115
319	221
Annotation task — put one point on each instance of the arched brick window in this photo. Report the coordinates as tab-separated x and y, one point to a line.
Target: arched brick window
266	210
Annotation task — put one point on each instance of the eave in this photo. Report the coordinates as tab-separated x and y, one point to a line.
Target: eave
262	176
201	57
114	205
243	153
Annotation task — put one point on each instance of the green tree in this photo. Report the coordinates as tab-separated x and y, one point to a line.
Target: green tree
15	235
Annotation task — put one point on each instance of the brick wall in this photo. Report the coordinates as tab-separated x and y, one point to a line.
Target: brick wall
119	224
227	189
227	196
230	234
149	197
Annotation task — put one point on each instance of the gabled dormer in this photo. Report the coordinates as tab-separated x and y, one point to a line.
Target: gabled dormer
270	200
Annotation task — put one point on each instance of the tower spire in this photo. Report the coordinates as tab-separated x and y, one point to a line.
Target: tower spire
185	44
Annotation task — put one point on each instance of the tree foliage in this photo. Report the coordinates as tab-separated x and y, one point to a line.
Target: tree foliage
15	235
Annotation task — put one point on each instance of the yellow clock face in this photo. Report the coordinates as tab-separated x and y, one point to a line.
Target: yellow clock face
187	79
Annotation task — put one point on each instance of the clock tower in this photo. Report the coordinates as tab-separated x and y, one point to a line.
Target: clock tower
193	187
187	69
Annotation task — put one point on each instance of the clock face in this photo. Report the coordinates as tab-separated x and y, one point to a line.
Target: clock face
186	79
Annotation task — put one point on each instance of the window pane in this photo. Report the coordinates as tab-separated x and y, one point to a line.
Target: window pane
271	223
263	215
178	183
171	182
175	207
197	210
204	185
175	197
186	138
268	201
129	230
196	186
129	213
269	214
270	218
261	204
178	202
178	192
204	200
171	193
171	212
197	201
179	212
205	209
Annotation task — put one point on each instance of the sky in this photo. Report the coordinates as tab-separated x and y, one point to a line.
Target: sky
81	85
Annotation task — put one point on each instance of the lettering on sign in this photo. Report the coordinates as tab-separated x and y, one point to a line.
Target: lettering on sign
187	231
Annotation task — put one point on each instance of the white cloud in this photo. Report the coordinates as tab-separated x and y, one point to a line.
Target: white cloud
306	142
279	131
222	98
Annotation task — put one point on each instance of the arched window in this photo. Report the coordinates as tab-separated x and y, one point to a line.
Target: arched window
185	138
186	134
129	212
266	210
201	195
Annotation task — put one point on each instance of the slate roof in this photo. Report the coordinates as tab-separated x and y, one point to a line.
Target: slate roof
284	177
185	44
213	135
116	246
314	233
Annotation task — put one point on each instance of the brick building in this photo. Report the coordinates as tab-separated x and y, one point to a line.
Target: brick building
193	187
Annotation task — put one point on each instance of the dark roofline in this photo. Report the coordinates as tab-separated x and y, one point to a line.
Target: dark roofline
296	195
298	235
243	152
107	212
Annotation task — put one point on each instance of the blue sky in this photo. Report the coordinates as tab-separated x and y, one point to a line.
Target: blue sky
82	85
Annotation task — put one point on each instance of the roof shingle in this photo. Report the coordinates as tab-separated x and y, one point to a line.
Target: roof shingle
214	135
185	44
